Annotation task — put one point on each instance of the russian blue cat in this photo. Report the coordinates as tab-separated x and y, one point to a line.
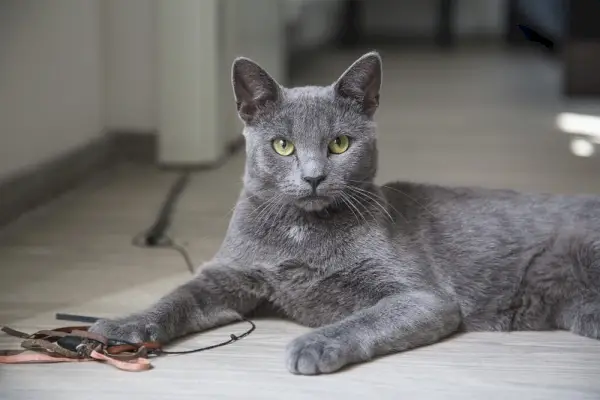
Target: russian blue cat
374	269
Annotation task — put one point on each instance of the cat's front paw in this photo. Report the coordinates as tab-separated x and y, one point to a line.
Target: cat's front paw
132	330
314	354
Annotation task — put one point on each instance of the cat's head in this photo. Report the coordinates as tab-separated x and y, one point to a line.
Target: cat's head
308	146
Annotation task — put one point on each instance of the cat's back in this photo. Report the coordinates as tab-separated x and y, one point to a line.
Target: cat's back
472	228
469	204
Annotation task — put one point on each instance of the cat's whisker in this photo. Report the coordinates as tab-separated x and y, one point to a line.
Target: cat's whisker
410	198
398	191
350	206
384	200
387	215
259	208
274	207
368	195
248	195
349	201
281	208
267	207
347	204
358	200
230	211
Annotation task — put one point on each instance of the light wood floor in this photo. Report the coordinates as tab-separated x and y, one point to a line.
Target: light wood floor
475	117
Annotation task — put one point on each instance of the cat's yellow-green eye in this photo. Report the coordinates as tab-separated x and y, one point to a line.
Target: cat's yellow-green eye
339	145
283	147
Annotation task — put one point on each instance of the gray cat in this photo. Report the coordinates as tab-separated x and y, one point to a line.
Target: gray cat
375	269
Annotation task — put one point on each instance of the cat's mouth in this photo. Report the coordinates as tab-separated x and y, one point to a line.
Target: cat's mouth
313	202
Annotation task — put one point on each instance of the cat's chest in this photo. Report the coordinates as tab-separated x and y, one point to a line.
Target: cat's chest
301	235
334	239
314	245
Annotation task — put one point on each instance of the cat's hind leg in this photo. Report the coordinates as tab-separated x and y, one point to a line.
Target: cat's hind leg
583	317
581	311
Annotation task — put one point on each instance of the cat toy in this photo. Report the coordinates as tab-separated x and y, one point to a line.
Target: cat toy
77	344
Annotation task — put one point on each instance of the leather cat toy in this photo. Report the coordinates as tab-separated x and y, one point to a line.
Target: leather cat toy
76	344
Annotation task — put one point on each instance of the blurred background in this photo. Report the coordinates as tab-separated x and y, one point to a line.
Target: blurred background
472	90
113	98
103	104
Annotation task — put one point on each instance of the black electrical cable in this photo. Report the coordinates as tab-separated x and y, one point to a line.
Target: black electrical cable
156	235
140	240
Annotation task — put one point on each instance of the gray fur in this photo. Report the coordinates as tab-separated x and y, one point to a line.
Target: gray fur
375	269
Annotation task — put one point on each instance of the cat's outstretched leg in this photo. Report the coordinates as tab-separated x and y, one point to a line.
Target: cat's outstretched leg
216	296
394	324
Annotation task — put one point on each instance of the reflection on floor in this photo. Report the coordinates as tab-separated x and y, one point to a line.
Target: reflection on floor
471	117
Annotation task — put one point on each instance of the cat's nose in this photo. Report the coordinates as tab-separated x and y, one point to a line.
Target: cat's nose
314	181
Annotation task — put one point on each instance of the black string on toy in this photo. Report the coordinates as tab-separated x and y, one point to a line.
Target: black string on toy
233	338
158	352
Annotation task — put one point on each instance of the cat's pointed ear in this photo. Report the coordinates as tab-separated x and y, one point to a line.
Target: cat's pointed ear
362	82
253	88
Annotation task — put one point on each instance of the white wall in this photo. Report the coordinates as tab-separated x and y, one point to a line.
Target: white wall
253	29
51	79
72	69
131	61
187	81
198	41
